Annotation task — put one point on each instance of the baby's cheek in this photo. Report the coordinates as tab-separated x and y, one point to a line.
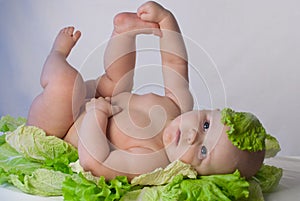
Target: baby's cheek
187	156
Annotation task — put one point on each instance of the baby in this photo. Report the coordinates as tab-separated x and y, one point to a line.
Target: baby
121	133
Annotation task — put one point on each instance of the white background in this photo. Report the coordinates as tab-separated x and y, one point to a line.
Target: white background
243	54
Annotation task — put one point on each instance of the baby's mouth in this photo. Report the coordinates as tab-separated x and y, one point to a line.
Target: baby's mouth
177	137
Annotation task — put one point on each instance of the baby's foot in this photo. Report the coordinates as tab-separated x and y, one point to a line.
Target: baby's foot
65	40
130	23
152	12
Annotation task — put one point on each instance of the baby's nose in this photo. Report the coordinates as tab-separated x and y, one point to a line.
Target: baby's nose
192	134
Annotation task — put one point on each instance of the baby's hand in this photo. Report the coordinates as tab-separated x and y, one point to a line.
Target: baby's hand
151	11
103	105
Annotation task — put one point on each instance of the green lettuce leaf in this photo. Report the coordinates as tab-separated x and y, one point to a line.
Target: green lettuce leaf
268	178
27	175
2	139
165	175
255	192
232	186
12	162
272	146
33	162
171	191
51	151
78	188
9	123
246	132
43	182
205	188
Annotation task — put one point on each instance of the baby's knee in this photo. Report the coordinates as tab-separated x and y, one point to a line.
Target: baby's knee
64	77
119	18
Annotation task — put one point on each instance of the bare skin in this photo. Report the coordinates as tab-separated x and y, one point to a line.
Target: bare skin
60	104
118	129
141	118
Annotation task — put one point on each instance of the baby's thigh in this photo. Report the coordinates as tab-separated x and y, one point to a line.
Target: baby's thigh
53	115
72	134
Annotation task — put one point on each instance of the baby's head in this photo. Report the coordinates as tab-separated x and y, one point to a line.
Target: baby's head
217	142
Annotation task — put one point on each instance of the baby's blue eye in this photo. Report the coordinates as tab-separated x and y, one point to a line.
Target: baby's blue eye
203	152
206	126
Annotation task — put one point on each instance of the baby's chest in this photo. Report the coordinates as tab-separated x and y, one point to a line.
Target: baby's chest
141	122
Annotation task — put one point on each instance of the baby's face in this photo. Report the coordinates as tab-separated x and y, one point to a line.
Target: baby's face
199	138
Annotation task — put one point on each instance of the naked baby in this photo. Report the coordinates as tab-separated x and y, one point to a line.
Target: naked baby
121	133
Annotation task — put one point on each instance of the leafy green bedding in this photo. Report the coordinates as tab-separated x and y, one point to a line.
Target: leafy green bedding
44	165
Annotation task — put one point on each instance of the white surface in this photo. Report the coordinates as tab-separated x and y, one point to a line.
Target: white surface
289	186
288	189
12	194
252	63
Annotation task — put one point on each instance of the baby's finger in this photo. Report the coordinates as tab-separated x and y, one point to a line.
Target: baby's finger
108	99
90	104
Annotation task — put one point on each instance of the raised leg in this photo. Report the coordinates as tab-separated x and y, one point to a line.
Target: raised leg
119	58
57	107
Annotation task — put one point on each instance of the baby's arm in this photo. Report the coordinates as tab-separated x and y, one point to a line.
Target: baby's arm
130	163
173	54
93	143
96	155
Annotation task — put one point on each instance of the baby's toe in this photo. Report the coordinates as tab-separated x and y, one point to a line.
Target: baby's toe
76	35
70	31
63	30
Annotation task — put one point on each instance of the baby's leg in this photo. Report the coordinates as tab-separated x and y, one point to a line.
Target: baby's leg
119	58
56	108
173	54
